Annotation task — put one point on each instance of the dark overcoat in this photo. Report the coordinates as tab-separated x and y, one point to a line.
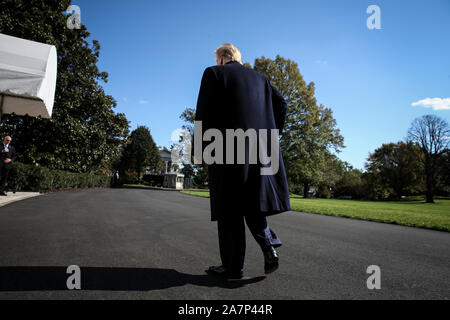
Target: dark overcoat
233	96
11	154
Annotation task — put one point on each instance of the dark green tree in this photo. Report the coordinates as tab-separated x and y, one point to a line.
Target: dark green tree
332	172
200	175
188	116
397	168
310	132
351	184
444	173
84	133
431	134
141	152
188	171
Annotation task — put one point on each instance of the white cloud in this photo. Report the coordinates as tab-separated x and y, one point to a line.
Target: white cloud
321	62
143	102
434	103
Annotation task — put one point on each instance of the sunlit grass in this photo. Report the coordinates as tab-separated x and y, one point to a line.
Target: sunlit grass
412	211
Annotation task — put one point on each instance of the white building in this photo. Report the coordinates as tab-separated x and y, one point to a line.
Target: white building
167	159
172	179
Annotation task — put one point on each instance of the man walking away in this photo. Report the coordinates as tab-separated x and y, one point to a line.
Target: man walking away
235	97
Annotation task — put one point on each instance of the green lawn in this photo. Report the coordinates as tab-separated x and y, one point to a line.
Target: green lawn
413	212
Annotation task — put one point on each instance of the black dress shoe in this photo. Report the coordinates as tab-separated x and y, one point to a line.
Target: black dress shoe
270	260
3	193
222	272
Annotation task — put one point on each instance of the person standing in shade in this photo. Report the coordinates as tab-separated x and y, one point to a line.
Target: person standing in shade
116	179
233	96
8	156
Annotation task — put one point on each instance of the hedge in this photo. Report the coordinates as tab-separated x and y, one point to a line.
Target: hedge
25	177
154	179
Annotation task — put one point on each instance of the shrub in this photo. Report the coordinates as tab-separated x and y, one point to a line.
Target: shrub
154	179
37	178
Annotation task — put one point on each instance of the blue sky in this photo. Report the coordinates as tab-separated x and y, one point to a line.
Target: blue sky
156	51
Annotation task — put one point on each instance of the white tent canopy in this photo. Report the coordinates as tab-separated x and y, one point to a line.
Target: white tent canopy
27	77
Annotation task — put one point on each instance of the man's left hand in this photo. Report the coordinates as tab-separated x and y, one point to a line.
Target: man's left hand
7	160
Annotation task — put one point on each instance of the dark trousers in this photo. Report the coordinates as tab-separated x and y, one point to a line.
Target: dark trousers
232	238
4	172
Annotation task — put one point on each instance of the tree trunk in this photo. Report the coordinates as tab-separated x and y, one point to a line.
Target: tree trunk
399	192
429	192
429	183
305	189
429	196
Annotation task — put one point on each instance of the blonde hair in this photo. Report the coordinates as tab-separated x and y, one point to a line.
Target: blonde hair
229	52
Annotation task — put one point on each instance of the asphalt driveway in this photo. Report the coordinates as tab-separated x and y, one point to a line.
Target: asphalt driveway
149	244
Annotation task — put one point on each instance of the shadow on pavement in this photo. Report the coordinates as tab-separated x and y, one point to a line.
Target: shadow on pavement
108	279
